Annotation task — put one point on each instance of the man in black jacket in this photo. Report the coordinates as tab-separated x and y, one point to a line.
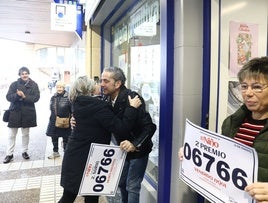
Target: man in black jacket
139	145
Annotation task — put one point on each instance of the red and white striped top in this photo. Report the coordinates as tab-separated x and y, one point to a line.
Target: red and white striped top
249	130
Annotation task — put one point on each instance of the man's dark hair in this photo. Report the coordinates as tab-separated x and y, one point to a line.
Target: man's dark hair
117	74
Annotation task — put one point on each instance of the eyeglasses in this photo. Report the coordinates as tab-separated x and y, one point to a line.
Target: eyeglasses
256	87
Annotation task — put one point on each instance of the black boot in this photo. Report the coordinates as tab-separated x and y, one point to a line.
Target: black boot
8	159
25	155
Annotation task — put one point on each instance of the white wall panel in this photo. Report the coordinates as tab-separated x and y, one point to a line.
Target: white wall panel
188	49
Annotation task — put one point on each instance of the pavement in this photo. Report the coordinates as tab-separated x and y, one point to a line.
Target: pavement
36	180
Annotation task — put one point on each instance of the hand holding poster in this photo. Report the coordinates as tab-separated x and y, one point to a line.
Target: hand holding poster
216	166
103	170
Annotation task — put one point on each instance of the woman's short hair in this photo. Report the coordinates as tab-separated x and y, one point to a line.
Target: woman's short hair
60	83
254	69
82	86
23	69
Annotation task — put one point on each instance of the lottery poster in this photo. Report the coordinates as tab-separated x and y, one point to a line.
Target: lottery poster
103	170
217	167
243	45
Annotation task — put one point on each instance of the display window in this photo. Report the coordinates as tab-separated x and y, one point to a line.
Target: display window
243	36
136	49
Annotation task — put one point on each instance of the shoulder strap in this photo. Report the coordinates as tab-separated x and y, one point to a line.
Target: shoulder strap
56	106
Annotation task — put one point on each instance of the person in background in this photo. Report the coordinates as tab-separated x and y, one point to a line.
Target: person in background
94	123
97	92
113	87
22	94
249	124
50	86
59	106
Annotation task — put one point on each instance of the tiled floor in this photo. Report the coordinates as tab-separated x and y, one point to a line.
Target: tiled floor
36	180
47	186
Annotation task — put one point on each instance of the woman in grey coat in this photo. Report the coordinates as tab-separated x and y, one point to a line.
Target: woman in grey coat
22	95
59	106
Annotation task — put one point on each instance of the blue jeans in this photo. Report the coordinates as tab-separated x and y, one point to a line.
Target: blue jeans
131	178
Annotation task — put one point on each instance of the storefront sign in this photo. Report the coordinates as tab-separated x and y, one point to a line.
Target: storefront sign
63	17
217	167
143	22
103	170
145	29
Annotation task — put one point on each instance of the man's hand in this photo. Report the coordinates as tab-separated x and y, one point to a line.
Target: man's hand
127	146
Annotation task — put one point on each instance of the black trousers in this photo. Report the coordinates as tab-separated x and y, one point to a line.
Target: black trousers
69	197
55	142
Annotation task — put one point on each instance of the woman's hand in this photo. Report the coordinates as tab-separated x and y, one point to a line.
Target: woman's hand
258	191
180	154
72	122
21	94
135	102
127	146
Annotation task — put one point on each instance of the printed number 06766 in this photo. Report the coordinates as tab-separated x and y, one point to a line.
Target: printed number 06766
237	175
100	179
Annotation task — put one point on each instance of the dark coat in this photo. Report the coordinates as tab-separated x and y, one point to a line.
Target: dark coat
94	123
143	130
61	104
230	127
23	112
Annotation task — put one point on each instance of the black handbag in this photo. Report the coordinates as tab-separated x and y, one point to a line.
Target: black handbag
7	112
6	115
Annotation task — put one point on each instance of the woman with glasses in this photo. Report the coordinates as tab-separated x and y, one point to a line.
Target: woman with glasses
249	121
249	124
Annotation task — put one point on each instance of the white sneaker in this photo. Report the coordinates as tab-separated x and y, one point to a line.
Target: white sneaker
54	155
